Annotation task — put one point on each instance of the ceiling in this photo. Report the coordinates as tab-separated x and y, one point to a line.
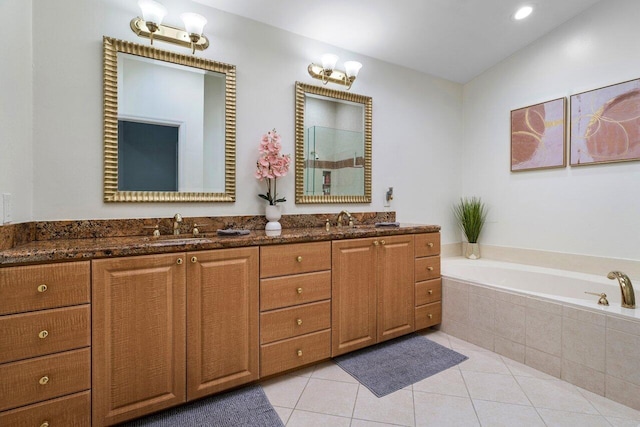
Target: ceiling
453	39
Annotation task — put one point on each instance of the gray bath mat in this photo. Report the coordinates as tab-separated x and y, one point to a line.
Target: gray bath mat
245	407
393	365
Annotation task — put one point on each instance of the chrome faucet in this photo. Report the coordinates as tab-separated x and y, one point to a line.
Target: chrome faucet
626	288
177	220
339	219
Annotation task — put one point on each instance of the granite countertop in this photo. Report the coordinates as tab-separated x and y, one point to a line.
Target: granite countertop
59	249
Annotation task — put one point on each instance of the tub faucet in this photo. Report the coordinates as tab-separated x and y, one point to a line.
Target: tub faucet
339	219
626	288
177	220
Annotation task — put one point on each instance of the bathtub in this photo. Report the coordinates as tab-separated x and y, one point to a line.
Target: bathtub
542	318
563	286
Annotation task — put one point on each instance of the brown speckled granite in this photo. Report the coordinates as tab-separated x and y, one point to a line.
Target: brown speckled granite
87	239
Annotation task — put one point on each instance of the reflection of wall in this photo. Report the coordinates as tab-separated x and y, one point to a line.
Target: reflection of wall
167	95
214	137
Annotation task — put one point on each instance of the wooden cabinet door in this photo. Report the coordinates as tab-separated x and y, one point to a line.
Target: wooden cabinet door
353	295
395	282
222	320
138	348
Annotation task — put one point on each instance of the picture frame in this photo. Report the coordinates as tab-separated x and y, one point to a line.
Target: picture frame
605	124
538	136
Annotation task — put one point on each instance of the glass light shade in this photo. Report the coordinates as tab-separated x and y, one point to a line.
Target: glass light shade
352	68
152	11
193	23
523	12
329	61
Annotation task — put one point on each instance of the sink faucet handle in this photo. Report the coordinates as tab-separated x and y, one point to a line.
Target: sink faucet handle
156	229
196	228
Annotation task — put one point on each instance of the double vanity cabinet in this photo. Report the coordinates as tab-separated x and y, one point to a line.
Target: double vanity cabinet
104	341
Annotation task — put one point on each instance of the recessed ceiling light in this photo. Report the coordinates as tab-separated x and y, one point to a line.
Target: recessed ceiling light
523	12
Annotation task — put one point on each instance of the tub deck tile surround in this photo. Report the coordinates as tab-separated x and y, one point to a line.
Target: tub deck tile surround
69	240
597	351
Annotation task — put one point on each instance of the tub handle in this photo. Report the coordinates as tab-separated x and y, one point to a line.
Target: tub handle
603	297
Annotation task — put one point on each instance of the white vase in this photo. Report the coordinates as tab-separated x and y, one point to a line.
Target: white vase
272	212
471	250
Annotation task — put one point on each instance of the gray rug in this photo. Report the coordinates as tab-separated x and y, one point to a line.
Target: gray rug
247	406
393	365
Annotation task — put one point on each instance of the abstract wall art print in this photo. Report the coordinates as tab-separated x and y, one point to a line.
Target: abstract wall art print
605	124
538	136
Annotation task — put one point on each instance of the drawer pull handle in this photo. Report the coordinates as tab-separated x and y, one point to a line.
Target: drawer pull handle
299	322
375	243
299	259
194	259
430	316
179	261
42	288
430	291
43	334
44	380
430	268
45	424
430	244
299	352
382	242
299	290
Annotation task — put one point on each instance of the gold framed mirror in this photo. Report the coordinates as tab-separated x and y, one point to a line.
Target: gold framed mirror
333	145
169	126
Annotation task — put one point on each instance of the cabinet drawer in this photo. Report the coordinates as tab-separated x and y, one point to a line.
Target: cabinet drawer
428	291
288	354
35	380
427	244
428	315
292	322
68	411
286	291
37	287
427	268
282	260
44	332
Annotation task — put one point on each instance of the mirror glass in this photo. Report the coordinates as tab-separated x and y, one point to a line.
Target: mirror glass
169	126
333	146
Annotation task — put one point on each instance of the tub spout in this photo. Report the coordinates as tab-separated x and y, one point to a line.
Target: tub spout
626	288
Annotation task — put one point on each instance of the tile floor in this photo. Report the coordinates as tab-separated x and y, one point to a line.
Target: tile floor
486	390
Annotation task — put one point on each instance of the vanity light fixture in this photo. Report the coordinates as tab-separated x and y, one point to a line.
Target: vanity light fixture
327	72
150	26
522	13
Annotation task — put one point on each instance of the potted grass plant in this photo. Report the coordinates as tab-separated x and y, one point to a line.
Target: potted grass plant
471	214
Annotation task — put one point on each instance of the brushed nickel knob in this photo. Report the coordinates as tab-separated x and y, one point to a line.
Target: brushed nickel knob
430	291
299	259
430	268
179	261
194	259
44	380
43	334
299	352
299	322
430	244
42	288
299	290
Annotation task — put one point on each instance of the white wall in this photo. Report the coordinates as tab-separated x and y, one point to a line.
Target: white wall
416	118
16	107
593	210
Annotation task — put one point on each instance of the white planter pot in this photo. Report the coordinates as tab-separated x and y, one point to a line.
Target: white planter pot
272	212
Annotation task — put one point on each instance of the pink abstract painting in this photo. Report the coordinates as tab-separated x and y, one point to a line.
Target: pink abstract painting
538	136
605	124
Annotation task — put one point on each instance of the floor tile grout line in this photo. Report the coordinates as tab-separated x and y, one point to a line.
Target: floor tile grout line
470	398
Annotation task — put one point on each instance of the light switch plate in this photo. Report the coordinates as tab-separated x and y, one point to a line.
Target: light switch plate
6	208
